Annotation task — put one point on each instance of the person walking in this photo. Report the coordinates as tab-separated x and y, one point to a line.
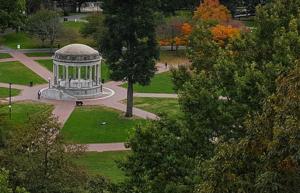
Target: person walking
39	94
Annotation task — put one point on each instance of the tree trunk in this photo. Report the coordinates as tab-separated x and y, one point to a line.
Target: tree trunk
129	99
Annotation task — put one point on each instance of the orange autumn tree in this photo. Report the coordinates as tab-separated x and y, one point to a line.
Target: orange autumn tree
221	33
212	10
209	10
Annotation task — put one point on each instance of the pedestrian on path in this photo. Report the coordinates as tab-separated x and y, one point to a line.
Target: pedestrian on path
39	94
166	65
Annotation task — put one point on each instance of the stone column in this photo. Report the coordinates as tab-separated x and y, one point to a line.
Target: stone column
54	73
67	83
98	74
86	72
79	77
95	74
74	72
57	72
64	73
91	76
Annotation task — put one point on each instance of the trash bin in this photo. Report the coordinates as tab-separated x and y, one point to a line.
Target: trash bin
31	84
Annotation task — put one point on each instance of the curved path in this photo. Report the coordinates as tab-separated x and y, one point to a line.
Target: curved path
63	109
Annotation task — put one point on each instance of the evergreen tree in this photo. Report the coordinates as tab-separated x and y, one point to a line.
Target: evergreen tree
129	43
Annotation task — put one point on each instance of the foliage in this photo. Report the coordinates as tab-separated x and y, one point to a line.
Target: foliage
98	184
94	27
11	14
45	24
4	183
39	160
129	43
180	76
267	158
159	162
212	10
222	33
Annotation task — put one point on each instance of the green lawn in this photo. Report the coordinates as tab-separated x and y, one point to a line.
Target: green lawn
38	54
173	57
4	92
17	73
4	55
21	111
73	25
70	34
104	164
169	106
160	83
49	65
85	126
13	39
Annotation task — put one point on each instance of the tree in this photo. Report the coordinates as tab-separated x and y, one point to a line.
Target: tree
94	27
212	10
129	43
45	24
12	14
4	183
266	159
40	161
159	162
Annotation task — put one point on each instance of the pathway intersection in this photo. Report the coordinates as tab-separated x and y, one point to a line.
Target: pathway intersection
63	109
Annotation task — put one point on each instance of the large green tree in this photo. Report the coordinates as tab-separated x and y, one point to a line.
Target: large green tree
226	84
267	158
160	161
129	44
45	24
12	14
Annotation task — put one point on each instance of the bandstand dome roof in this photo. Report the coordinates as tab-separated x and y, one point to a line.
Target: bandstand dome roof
76	53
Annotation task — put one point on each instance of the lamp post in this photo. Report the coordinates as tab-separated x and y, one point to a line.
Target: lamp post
49	82
9	106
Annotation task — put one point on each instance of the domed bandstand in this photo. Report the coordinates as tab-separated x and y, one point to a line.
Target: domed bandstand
77	74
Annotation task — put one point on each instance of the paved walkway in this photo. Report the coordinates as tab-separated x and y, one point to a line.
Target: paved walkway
31	64
106	147
155	95
63	109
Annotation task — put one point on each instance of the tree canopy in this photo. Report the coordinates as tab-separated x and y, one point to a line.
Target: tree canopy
129	43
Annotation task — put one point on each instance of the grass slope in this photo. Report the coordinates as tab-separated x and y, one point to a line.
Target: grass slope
4	92
13	39
103	164
38	54
22	111
17	73
5	55
84	126
160	83
70	34
169	106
